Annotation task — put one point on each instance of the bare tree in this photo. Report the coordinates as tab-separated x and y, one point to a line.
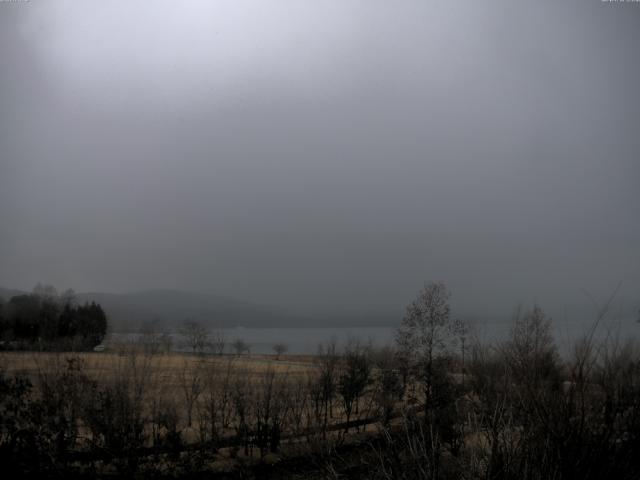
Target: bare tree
217	409
462	328
195	335
192	384
300	410
327	378
424	341
166	342
531	350
387	386
218	342
426	334
280	349
242	404
271	407
150	338
240	346
354	378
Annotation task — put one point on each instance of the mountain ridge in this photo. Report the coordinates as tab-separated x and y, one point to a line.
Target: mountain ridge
167	309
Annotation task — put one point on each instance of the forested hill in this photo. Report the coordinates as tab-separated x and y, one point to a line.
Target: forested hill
167	309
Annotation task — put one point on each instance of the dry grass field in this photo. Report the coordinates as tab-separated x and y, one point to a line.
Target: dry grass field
167	367
182	381
126	411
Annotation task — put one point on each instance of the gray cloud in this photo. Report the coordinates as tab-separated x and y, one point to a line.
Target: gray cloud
322	154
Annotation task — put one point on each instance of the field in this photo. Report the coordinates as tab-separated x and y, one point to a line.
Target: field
166	367
172	379
241	409
358	413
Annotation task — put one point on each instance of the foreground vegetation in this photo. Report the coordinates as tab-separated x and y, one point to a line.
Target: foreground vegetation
437	406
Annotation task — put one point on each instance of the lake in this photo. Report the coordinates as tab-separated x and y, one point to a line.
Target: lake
306	340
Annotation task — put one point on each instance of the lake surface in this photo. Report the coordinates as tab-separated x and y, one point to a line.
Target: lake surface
307	340
298	340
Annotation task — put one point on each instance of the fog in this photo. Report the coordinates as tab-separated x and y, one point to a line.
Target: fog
325	155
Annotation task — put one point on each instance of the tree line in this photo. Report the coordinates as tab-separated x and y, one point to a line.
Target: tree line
47	320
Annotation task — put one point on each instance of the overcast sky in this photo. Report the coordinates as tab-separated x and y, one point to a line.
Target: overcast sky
323	154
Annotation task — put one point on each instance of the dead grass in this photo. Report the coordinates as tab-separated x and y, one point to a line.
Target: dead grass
169	366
